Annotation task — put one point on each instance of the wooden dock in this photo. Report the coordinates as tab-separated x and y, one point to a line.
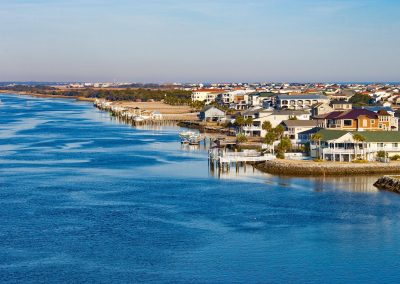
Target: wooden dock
223	160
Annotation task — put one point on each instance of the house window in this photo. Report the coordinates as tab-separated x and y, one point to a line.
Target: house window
380	145
365	123
348	122
380	125
372	121
395	145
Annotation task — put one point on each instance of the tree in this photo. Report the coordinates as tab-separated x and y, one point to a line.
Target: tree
279	130
360	99
249	121
317	138
359	138
269	139
241	138
284	146
267	126
240	121
198	105
293	118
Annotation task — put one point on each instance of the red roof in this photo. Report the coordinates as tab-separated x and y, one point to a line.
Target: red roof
351	114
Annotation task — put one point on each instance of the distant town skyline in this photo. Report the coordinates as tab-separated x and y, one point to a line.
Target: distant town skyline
200	41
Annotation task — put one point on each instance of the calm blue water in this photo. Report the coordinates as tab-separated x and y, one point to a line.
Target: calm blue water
86	199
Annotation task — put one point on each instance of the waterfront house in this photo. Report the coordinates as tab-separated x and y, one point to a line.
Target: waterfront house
299	101
342	146
211	113
275	117
294	127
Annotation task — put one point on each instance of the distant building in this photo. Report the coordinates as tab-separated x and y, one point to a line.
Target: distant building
299	101
320	109
206	95
341	105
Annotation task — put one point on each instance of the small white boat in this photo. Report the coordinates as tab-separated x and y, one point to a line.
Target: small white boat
189	137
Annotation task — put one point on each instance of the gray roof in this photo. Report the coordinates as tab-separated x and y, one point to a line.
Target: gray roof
300	123
289	112
209	107
340	103
302	97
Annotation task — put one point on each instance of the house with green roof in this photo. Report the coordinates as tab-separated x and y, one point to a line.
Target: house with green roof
345	146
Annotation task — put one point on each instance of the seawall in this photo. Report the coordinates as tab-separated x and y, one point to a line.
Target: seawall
311	168
390	183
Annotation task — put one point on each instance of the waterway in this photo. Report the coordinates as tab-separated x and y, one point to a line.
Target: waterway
87	199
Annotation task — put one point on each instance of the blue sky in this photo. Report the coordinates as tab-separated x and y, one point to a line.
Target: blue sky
200	40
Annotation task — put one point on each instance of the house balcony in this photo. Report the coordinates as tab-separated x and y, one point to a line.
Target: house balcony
252	128
328	151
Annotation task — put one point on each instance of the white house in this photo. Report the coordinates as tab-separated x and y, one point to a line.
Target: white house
294	127
206	95
340	146
299	101
275	117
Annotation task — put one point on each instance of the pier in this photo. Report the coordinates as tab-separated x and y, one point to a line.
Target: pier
223	161
137	116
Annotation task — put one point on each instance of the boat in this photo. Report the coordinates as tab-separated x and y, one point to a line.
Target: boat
189	137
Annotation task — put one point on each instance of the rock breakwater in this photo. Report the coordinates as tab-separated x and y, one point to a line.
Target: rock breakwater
311	168
390	183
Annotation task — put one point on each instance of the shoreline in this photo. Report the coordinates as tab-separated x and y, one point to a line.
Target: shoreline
293	168
310	168
47	96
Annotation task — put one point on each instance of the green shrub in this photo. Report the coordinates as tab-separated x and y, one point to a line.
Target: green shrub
280	155
395	158
382	154
241	138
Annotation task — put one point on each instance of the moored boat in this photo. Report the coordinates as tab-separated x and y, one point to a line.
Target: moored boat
189	137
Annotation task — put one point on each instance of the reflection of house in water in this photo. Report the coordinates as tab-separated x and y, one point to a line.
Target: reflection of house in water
347	183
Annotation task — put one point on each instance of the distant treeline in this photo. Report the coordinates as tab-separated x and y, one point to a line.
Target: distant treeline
26	88
170	96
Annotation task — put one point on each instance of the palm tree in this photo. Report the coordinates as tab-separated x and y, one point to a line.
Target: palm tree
359	138
269	139
267	126
279	130
249	121
240	121
317	138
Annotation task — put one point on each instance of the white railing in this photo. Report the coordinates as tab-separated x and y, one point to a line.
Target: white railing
252	128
